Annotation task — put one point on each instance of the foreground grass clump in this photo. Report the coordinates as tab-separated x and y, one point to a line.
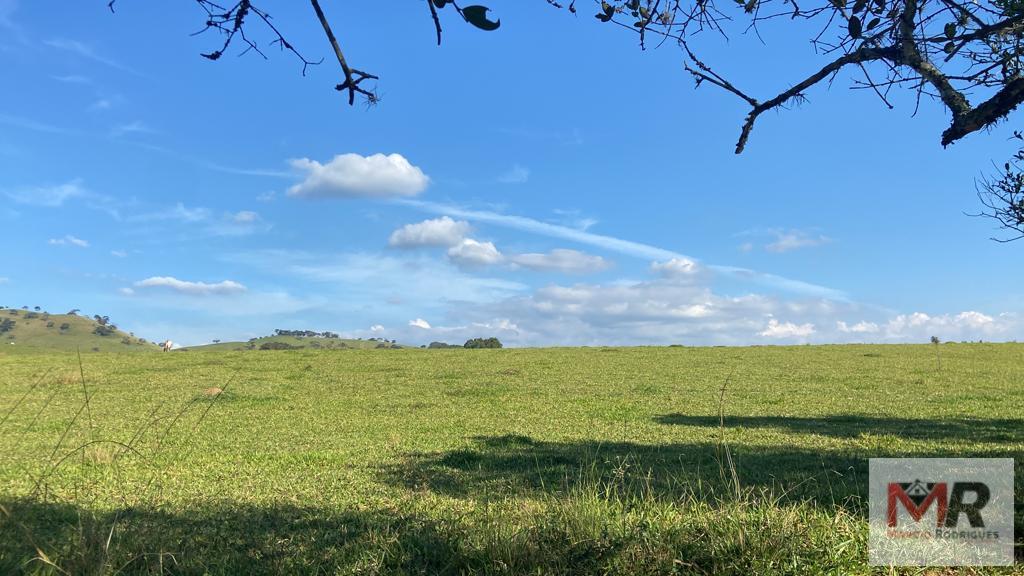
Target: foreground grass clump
589	532
559	461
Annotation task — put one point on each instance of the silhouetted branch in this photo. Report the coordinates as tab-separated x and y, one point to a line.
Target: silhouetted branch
1003	196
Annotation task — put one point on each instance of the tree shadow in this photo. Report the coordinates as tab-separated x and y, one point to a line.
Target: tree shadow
1006	430
513	465
520	465
219	539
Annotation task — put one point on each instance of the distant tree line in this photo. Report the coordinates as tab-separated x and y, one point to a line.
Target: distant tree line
471	343
305	333
482	343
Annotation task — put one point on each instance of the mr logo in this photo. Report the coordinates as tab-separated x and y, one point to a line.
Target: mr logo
917	497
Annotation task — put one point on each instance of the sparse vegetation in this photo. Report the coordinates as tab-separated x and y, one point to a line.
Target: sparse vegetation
69	332
277	346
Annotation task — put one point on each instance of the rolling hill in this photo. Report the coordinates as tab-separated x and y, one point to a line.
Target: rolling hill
36	330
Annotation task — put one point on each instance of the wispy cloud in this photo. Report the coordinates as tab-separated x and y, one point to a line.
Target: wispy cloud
30	124
179	212
68	240
86	51
136	127
618	245
7	9
515	175
779	240
259	172
73	79
47	196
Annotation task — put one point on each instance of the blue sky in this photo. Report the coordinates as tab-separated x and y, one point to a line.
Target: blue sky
548	183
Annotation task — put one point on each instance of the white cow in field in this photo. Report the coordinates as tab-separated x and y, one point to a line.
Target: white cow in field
167	345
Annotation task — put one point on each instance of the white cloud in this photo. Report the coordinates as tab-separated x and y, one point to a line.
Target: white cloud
48	196
472	252
862	327
561	260
437	232
675	268
68	240
126	291
968	325
376	328
244	217
355	176
420	323
795	239
191	288
781	330
783	240
119	253
621	246
5	280
516	175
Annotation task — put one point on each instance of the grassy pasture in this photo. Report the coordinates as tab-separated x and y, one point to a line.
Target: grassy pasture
583	460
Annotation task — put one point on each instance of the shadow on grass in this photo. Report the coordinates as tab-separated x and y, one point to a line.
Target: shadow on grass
588	533
519	465
850	426
226	539
512	465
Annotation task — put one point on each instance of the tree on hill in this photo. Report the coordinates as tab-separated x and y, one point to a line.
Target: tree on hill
440	345
6	325
483	343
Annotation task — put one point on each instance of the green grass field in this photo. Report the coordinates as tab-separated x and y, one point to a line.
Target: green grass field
571	461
